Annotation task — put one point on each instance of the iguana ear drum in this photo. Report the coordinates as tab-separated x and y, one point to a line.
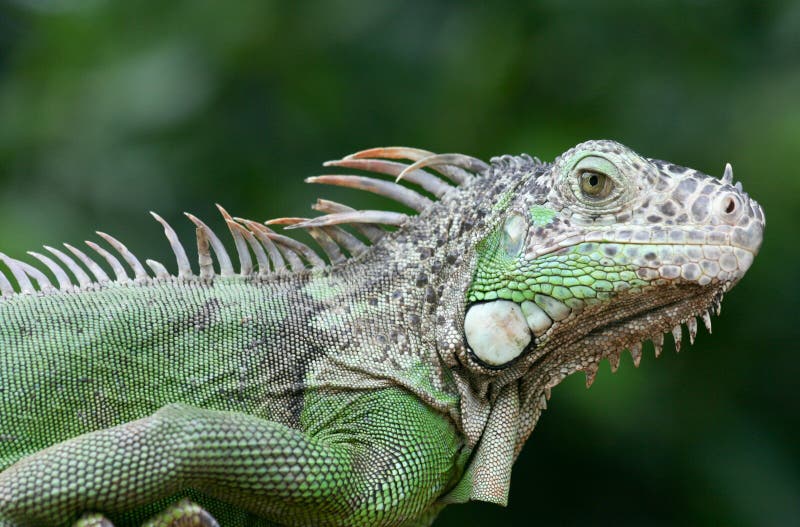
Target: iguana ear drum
497	331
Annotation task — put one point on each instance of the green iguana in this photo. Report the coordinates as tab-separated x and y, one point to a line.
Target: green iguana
401	375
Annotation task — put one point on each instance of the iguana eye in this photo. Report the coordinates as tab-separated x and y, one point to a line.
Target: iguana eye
595	185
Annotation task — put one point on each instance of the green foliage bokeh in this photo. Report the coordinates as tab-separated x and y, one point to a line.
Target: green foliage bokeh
109	109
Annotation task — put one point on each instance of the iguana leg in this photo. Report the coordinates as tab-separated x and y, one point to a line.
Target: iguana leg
185	513
128	466
351	476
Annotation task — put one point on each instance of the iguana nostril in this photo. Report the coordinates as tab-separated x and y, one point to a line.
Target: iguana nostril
731	206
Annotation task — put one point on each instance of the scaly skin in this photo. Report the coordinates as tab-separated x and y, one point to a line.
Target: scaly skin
373	391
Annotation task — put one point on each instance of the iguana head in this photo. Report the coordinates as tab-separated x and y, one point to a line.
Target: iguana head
601	250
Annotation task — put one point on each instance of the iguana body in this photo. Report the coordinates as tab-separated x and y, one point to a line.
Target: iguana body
370	391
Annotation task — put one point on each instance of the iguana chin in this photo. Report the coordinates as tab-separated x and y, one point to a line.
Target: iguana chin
402	375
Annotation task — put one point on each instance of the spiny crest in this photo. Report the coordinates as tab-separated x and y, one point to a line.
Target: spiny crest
614	356
262	251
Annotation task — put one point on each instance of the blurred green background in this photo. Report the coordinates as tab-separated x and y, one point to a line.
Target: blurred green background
110	109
